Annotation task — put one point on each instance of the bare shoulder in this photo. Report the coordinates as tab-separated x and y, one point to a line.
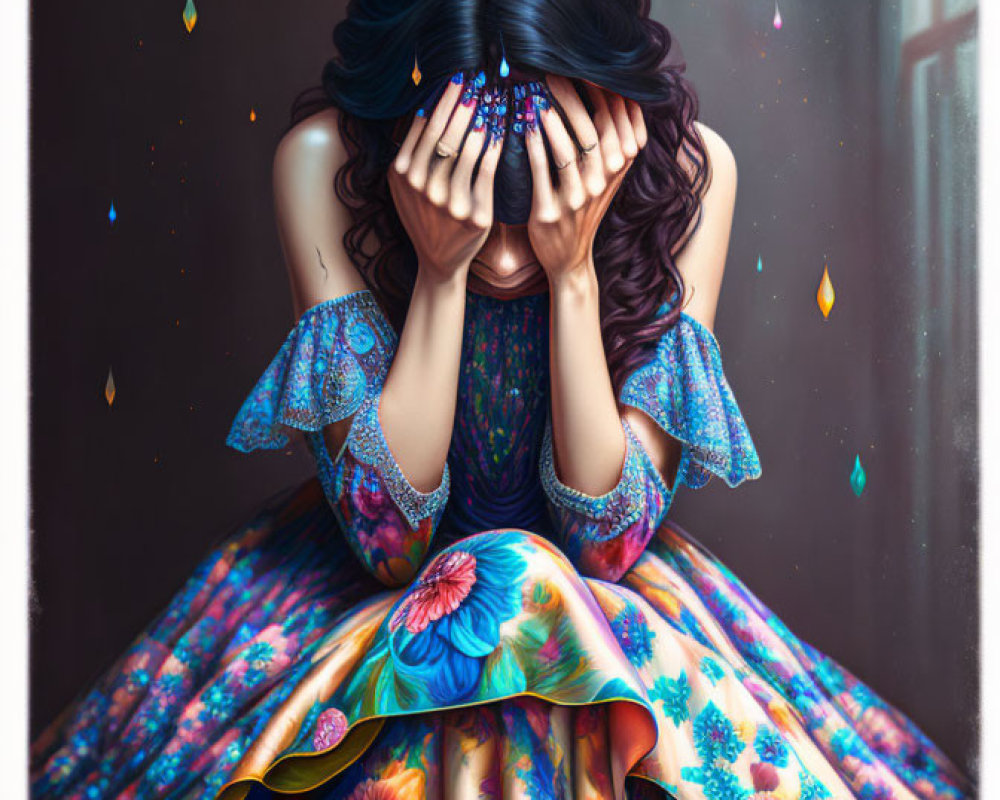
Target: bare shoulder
702	259
313	143
718	153
312	220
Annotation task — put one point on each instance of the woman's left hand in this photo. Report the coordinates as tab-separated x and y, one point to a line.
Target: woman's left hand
564	218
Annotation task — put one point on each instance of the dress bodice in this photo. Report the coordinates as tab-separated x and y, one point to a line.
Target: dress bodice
503	394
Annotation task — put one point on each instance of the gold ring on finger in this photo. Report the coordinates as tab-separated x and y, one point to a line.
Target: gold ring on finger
586	149
563	166
444	150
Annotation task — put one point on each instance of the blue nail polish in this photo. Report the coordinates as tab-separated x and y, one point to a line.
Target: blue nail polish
456	78
421	112
481	79
542	102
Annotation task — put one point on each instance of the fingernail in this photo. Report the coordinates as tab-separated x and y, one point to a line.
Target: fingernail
421	112
456	78
468	95
481	79
496	128
542	102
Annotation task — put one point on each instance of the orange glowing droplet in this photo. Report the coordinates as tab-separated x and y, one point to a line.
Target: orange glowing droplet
416	72
190	15
825	295
109	388
253	115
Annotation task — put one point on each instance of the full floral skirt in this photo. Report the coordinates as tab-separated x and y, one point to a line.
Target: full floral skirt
282	669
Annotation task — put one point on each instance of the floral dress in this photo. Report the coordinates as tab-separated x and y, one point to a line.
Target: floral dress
501	636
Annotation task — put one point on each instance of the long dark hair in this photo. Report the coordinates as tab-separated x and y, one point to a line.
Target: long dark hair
611	43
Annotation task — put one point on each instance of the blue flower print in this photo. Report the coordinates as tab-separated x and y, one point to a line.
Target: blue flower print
718	782
714	735
829	676
812	789
259	651
448	622
845	742
360	337
722	784
633	634
711	669
770	746
218	702
674	695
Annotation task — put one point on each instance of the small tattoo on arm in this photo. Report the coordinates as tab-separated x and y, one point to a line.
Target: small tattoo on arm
326	272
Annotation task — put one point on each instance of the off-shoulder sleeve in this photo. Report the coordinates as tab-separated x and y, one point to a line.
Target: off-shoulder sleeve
333	365
684	389
337	352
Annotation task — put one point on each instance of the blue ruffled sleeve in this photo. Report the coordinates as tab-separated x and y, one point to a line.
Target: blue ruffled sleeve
338	351
684	389
332	366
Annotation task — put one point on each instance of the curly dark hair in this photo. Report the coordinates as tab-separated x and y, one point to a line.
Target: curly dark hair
611	43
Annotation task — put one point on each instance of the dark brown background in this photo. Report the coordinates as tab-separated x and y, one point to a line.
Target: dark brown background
852	128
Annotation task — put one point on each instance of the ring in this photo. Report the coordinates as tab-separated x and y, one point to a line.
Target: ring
590	147
443	150
563	166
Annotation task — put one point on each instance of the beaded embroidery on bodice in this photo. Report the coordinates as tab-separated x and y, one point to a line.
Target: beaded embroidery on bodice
500	416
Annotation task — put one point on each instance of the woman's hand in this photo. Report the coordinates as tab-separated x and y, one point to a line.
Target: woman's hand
445	213
564	219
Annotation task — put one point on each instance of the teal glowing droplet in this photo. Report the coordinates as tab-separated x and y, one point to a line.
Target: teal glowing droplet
760	264
112	214
504	67
858	477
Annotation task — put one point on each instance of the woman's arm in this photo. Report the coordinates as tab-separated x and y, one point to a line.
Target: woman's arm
615	466
397	443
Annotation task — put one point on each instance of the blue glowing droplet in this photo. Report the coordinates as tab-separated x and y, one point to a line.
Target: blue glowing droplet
112	214
504	67
760	264
858	477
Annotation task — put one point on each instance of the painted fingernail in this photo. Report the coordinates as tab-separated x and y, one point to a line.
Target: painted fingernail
457	77
468	94
421	112
480	79
542	102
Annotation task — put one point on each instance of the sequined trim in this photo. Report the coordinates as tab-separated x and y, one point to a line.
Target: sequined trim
367	443
684	389
617	509
338	351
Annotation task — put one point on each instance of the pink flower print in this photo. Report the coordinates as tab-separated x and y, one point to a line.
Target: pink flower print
330	729
550	651
440	591
765	777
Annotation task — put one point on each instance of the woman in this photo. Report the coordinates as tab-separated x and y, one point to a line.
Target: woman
503	389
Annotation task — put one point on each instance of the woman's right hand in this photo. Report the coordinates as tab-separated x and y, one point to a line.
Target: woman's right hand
446	214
